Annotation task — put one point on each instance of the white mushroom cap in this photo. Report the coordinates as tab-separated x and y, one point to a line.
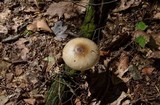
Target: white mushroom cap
81	54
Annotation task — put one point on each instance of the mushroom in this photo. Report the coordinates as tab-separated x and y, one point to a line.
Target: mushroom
81	54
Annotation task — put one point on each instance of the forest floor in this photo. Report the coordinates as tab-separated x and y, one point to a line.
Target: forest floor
32	37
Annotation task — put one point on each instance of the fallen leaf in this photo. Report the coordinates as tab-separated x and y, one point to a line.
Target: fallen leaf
39	3
3	99
42	24
125	4
123	63
32	26
156	38
23	85
24	53
30	9
30	101
147	70
134	72
4	66
157	16
61	8
81	6
4	15
57	70
17	22
1	46
122	66
22	79
77	101
103	53
18	71
59	31
3	29
9	77
39	24
33	80
21	45
153	54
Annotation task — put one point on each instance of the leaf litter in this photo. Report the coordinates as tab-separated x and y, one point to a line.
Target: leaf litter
124	61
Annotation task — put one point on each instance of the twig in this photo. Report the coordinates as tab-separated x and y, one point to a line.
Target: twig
11	38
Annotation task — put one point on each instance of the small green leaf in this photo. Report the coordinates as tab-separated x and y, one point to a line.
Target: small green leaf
27	32
141	26
141	40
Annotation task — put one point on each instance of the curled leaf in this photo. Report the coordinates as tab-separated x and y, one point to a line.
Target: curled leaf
39	24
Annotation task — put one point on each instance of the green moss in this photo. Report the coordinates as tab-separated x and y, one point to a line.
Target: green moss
88	27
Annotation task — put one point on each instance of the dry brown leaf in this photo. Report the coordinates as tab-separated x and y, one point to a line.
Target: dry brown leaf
23	85
20	43
123	65
30	101
125	4
24	53
21	79
156	38
30	9
104	53
1	46
147	70
68	9
153	54
18	71
157	16
24	50
32	26
77	101
81	6
39	24
3	99
61	8
4	15
3	29
9	77
17	22
33	80
42	24
4	66
134	72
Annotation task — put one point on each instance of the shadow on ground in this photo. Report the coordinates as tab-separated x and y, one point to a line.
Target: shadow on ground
103	88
